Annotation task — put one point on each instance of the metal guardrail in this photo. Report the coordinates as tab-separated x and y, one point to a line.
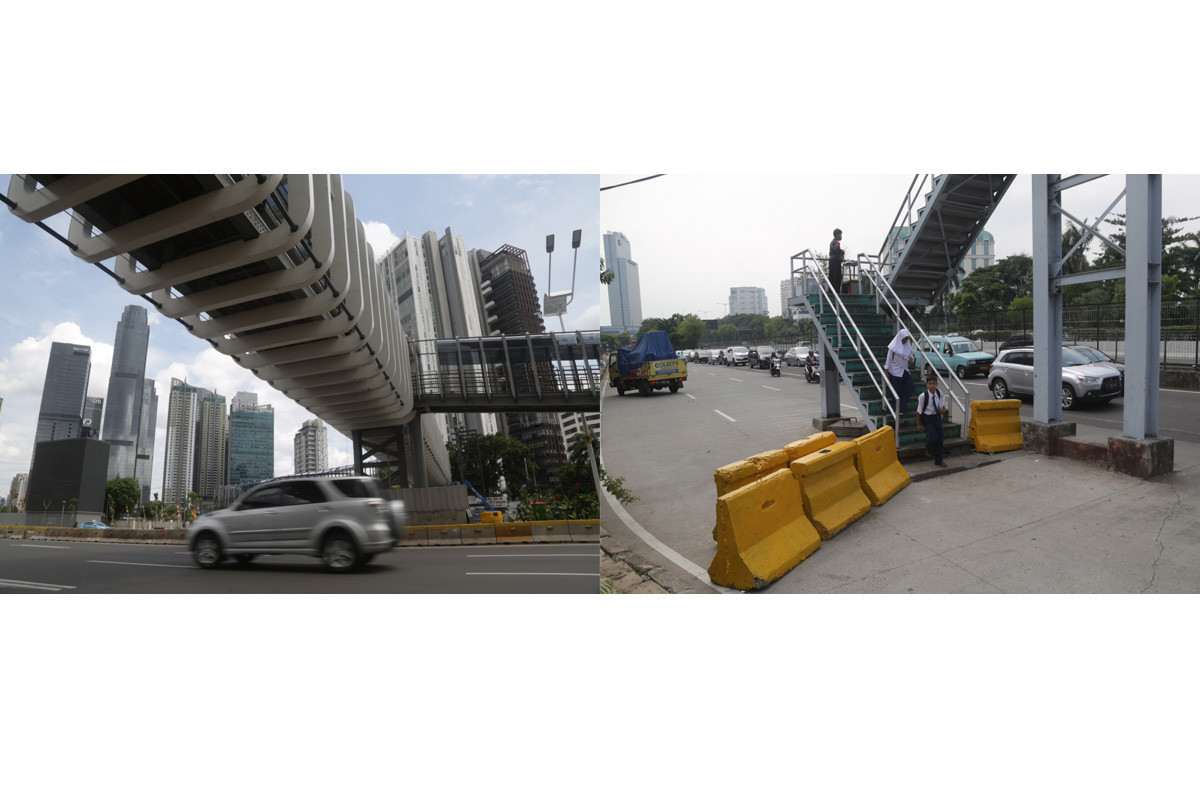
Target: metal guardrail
527	372
885	295
847	334
893	244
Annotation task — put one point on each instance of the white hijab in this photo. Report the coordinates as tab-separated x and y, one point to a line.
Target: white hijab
899	346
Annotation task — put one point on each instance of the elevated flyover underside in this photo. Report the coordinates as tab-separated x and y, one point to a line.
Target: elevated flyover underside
273	270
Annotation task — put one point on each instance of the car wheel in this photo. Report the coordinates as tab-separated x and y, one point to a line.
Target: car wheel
244	558
674	387
960	371
620	389
339	554
1000	389
207	552
1068	397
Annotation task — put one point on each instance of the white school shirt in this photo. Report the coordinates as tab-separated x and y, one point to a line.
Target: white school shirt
939	402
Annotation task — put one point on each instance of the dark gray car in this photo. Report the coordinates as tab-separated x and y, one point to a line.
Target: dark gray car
343	520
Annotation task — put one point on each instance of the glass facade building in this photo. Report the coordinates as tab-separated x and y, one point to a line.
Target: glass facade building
67	374
251	443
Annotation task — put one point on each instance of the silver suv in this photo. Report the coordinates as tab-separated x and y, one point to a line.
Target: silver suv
344	520
1082	381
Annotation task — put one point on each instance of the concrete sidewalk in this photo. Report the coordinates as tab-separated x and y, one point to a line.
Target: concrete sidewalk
1015	522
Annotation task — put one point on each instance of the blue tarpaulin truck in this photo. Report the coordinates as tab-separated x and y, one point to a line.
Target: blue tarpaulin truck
649	365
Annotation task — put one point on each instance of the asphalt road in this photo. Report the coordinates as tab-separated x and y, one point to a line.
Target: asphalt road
666	447
92	567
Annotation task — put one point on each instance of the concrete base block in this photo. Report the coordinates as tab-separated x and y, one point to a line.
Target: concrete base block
826	423
1042	437
1144	458
1080	451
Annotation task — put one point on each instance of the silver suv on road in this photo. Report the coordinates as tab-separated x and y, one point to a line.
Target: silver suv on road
343	520
1082	382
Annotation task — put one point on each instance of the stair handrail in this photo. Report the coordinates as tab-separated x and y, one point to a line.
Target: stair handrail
905	212
885	294
840	317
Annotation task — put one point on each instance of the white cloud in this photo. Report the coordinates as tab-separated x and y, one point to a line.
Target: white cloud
380	237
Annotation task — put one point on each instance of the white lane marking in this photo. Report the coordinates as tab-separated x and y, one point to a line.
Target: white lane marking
777	389
27	545
727	417
737	380
523	555
16	584
596	574
690	395
140	564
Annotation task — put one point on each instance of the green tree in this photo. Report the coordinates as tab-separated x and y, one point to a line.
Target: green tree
727	333
606	275
652	324
1020	311
121	497
487	458
688	333
1180	258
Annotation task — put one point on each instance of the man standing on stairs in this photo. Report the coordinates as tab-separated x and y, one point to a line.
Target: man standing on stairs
836	255
899	358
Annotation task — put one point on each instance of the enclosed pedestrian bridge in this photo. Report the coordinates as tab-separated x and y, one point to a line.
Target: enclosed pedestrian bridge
275	271
507	374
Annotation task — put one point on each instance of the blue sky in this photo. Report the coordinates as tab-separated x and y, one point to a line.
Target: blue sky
53	296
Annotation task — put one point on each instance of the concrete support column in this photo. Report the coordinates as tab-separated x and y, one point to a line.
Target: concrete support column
356	437
401	477
416	438
1143	303
1047	299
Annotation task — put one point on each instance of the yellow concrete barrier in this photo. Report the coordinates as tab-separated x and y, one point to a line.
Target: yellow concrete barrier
996	426
514	532
491	517
747	471
812	444
832	496
762	533
880	473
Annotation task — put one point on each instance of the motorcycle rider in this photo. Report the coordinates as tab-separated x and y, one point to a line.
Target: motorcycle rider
810	363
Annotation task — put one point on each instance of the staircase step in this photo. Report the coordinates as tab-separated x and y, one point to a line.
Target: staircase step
916	452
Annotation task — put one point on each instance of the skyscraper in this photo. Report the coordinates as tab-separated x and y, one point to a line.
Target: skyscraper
146	434
126	392
511	303
251	440
311	449
625	291
211	446
67	373
194	460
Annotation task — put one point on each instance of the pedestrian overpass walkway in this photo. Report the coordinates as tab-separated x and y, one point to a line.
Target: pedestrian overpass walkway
275	271
528	372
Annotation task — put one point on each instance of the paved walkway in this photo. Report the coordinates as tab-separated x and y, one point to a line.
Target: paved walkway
1016	522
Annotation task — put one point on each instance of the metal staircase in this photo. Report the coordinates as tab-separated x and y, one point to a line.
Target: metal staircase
925	245
857	330
916	265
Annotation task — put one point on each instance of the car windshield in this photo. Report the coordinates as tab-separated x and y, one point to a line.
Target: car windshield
1093	355
1072	359
963	347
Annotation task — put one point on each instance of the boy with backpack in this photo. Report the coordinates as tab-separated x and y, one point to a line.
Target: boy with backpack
931	404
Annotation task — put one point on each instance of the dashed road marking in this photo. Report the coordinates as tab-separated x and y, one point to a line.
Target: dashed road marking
140	564
17	584
727	417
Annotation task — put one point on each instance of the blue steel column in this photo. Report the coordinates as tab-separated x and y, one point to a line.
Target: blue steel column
1143	303
1047	299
